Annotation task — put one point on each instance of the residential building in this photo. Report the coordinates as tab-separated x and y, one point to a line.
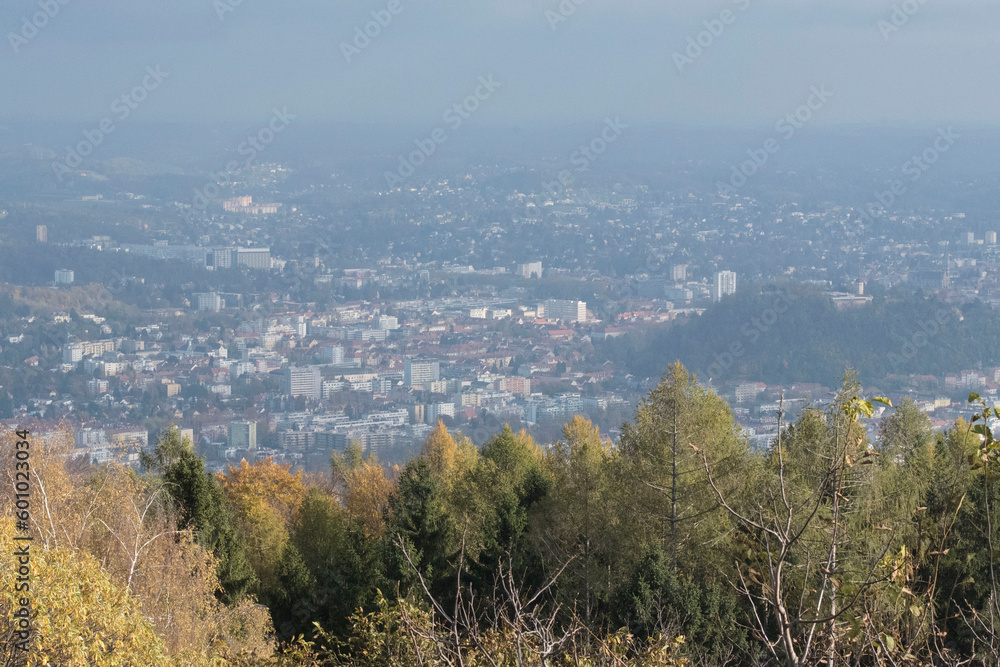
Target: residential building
437	410
387	323
418	372
72	353
515	385
725	284
253	258
334	354
210	301
222	258
303	382
570	311
242	435
749	391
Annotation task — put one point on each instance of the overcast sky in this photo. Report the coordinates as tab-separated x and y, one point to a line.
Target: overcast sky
609	57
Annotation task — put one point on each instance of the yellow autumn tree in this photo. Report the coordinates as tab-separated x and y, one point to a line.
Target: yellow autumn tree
267	480
367	496
451	460
440	450
265	496
578	524
448	457
80	617
125	525
363	486
57	510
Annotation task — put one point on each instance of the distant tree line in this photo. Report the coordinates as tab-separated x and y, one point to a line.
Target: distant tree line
794	334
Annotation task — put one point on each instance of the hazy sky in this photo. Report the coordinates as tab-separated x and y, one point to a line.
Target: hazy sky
609	57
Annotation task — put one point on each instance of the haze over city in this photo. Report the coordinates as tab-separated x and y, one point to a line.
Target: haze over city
232	61
538	332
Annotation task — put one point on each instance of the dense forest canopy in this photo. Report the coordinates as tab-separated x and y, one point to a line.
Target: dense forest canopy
792	333
677	545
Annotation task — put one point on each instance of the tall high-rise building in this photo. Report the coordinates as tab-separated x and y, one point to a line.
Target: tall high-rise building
438	410
418	413
387	323
725	284
210	301
679	272
571	311
64	277
72	353
242	435
41	234
420	372
991	238
334	353
222	258
303	382
254	258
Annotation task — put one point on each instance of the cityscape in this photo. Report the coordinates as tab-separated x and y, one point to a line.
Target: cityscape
275	346
534	333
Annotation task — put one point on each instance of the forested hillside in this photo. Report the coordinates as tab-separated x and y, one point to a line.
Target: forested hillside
795	334
679	545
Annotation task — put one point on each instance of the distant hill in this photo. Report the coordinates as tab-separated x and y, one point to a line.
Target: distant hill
797	335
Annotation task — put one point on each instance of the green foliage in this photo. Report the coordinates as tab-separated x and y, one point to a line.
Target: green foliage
679	429
293	600
511	481
577	526
655	601
342	464
203	507
420	524
809	340
677	545
168	449
327	570
403	633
